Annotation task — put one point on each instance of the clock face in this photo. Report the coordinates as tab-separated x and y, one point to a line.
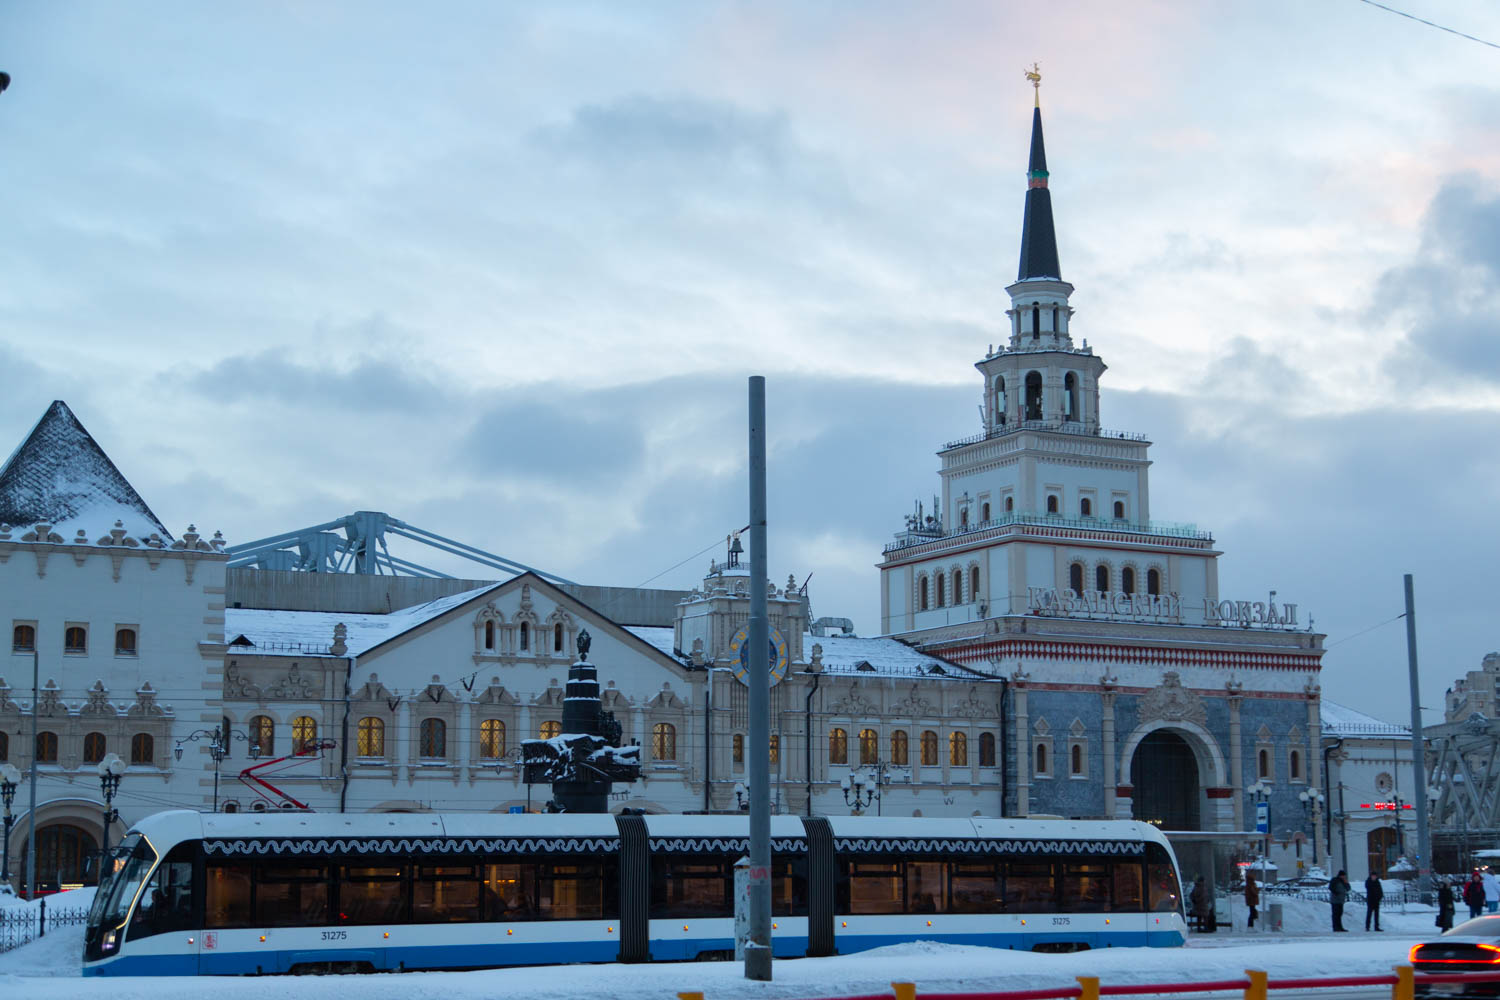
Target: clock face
739	647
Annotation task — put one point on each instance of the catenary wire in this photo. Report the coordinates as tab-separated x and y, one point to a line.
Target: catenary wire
1430	24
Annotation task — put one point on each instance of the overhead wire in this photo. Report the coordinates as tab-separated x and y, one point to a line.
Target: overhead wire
1430	24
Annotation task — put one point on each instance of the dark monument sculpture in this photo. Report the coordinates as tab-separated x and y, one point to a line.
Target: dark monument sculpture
586	758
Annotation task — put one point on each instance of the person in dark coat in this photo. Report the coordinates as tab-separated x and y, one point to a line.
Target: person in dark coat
1374	893
1203	905
1338	895
1252	899
1445	906
1474	894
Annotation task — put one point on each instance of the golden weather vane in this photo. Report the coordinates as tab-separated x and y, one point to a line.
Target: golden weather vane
1034	74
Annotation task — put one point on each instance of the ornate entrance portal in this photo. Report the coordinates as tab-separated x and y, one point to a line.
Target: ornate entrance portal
1164	776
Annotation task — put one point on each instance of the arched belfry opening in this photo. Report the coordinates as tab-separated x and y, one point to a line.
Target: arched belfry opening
1033	395
1070	396
1164	777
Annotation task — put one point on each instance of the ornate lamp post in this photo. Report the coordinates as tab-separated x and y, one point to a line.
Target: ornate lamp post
1312	805
10	777
1261	791
218	749
859	791
741	796
111	768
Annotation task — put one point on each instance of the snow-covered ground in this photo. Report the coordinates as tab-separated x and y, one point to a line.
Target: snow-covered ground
48	969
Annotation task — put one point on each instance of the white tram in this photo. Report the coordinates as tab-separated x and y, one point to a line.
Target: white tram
197	894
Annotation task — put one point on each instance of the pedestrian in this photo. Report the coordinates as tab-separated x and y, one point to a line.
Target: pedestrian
1203	905
1474	894
1338	895
1445	906
1252	899
1491	891
1374	893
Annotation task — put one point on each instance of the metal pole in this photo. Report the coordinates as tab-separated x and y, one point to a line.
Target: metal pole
758	948
1418	754
36	666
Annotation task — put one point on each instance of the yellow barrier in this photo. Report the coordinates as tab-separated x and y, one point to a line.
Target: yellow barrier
1405	987
1090	987
904	991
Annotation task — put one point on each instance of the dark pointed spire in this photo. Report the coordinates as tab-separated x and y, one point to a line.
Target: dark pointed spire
1038	237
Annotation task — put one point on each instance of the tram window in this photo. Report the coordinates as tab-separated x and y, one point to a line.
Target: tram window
692	887
289	895
1085	888
1030	887
445	894
509	892
789	886
871	887
584	891
166	904
373	895
1161	880
229	899
1127	879
975	888
925	892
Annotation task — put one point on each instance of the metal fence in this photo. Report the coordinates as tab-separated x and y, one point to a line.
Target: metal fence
21	925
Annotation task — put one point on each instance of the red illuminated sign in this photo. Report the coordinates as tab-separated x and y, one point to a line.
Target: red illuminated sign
1384	805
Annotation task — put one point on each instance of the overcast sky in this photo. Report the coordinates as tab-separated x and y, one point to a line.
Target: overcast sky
501	271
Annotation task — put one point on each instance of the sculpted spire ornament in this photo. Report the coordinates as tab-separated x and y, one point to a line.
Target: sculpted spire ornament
1034	74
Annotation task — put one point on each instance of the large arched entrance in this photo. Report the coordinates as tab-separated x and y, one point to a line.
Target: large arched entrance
66	855
1164	780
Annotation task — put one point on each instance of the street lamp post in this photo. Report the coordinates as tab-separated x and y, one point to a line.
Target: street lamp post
111	768
1261	790
1397	804
1312	805
859	791
10	777
218	749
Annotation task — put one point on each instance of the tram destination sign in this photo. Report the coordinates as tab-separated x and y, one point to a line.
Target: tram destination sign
1167	608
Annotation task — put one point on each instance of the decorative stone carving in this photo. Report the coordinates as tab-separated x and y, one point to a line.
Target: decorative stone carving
237	687
816	663
98	701
293	687
854	704
972	708
913	705
145	702
49	703
1171	702
340	633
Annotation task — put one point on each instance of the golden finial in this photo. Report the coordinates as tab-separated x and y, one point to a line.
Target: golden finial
1034	74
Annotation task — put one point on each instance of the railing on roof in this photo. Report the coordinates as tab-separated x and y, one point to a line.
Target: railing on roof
316	648
1052	426
1174	529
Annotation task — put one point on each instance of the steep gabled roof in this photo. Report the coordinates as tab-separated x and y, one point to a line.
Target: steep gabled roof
61	476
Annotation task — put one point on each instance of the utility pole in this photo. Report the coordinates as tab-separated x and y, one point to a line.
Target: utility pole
758	674
36	664
1418	754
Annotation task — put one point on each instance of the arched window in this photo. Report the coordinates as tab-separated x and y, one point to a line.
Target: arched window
922	594
1036	320
557	638
93	748
1101	579
938	578
1075	761
1052	503
869	746
838	746
973	583
1119	510
775	749
1263	764
491	739
46	748
23	639
929	748
304	732
1070	396
525	636
986	749
262	734
1041	758
963	517
1033	395
1055	327
549	729
1294	765
1075	578
434	736
958	749
898	747
371	737
124	642
1010	504
75	639
738	748
664	741
489	635
1000	400
1153	582
984	511
142	748
958	587
1127	580
1085	507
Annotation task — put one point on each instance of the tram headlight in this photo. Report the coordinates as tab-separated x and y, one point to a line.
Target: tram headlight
111	940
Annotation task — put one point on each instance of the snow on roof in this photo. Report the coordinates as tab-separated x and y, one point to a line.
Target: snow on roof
311	632
60	475
1340	720
844	655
